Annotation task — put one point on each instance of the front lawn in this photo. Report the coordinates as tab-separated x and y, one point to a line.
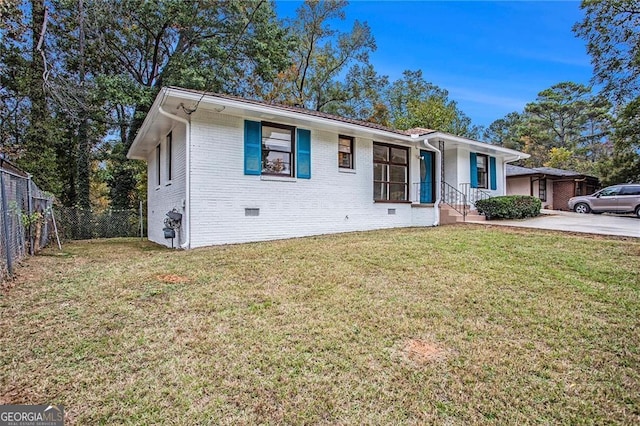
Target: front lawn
449	325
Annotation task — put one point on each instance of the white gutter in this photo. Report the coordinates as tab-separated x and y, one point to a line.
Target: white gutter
426	143
474	143
187	199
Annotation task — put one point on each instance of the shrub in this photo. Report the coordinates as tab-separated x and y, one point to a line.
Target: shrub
509	207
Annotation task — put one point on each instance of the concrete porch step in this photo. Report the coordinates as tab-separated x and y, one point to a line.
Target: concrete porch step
448	215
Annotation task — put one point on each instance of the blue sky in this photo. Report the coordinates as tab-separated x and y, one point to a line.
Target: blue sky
492	57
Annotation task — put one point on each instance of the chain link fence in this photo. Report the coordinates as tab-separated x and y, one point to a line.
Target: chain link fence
75	223
29	221
26	217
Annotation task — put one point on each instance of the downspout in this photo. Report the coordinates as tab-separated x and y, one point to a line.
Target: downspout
187	199
426	143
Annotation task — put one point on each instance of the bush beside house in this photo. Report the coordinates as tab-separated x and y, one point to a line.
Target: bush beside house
509	207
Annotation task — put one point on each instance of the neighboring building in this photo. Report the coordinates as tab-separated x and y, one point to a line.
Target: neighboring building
554	187
239	170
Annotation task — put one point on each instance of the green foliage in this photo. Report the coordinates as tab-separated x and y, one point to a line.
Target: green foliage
509	207
121	178
102	83
560	158
565	118
414	102
568	115
624	164
505	131
319	55
610	30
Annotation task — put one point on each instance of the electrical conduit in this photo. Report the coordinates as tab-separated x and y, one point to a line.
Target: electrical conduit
187	200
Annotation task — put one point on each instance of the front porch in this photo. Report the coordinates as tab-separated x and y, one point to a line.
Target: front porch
456	205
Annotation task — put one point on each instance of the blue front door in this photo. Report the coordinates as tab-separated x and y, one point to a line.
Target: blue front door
426	177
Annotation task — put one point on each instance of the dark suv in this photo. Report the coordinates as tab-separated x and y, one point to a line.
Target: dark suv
623	198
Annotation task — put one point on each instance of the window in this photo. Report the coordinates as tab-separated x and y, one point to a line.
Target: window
630	190
169	155
483	169
610	192
345	152
542	189
277	149
390	173
158	165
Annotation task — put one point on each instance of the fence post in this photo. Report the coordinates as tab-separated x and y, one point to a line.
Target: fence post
30	212
5	220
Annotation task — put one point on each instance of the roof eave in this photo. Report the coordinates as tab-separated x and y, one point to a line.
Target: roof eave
146	124
460	139
270	110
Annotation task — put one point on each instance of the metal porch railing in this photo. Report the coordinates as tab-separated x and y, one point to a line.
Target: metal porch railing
473	194
455	199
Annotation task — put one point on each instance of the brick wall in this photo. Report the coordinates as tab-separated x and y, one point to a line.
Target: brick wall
333	200
562	191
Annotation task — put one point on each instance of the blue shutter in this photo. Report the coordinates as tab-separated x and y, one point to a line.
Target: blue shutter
492	173
252	147
473	159
303	151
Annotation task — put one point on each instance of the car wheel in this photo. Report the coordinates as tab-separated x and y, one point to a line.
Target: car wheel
582	208
638	212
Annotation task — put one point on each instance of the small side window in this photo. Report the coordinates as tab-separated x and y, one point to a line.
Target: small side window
542	189
345	152
169	154
158	156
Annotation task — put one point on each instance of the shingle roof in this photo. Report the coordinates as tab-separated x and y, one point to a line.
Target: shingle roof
10	167
549	171
519	171
301	110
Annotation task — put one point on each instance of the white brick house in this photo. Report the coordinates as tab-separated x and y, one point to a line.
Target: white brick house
240	171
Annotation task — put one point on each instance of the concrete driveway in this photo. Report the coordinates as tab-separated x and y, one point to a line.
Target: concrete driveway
603	224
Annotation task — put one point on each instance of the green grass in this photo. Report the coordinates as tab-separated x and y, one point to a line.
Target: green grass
527	327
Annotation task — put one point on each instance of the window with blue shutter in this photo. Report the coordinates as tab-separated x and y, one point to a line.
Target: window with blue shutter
492	173
252	147
303	154
473	160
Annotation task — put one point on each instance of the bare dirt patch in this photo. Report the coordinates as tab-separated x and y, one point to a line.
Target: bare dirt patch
422	351
172	279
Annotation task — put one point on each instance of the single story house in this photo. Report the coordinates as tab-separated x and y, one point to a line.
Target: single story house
232	170
553	186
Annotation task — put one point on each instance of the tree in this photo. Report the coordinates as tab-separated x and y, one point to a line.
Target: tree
612	32
624	164
14	80
229	47
319	56
363	95
27	127
506	131
414	102
567	117
610	29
